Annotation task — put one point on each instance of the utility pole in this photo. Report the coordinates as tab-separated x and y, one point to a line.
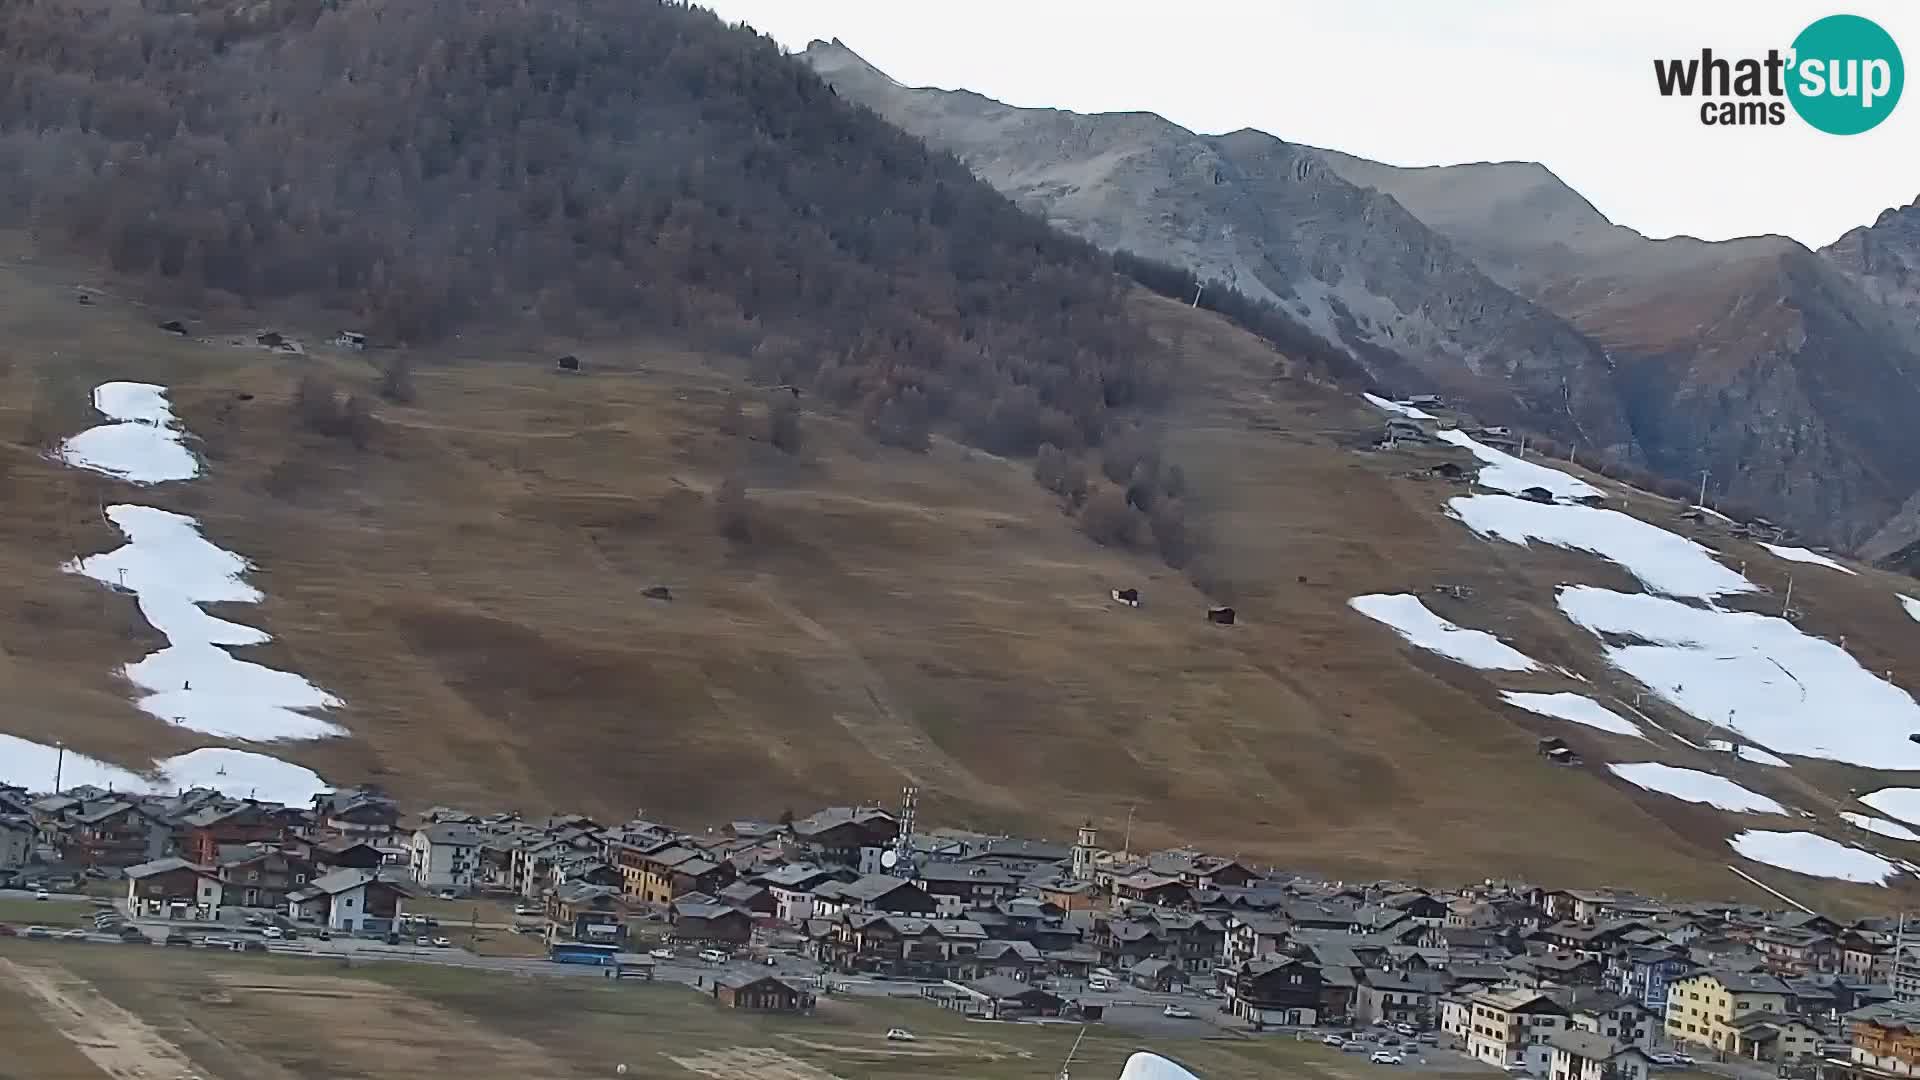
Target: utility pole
1197	290
59	764
1126	842
1786	609
1901	978
1703	488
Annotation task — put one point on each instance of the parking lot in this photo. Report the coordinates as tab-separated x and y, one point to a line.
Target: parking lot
1412	1053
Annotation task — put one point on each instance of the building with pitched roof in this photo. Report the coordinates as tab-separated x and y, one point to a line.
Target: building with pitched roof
1702	1007
1583	1055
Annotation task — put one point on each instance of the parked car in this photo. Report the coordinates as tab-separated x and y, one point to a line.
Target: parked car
272	933
423	941
255	919
1334	1040
178	937
323	934
1213	992
1431	1038
1663	1059
42	894
899	1035
1354	1047
133	935
661	954
1682	1059
1386	1057
249	946
1404	1029
217	942
713	956
75	934
1175	1012
442	943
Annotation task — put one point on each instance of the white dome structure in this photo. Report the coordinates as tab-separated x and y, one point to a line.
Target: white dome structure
1144	1066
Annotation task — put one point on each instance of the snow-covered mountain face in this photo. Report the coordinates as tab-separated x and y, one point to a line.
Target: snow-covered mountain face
1787	374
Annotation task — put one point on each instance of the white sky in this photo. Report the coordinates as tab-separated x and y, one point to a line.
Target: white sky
1422	82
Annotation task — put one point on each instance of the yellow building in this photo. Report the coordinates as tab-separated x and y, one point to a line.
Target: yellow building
1709	1008
647	874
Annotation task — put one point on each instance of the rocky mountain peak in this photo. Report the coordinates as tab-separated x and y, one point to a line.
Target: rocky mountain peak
1788	375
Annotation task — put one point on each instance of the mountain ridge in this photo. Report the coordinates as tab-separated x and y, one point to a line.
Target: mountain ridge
1344	261
1694	325
1779	371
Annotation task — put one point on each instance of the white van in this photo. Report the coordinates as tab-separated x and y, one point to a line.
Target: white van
713	956
1099	982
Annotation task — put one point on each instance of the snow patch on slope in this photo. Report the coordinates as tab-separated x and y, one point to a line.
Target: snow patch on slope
142	444
1574	707
1802	555
1813	855
237	773
1399	407
1756	673
1411	620
1504	472
1662	561
171	569
194	682
1695	786
1899	802
1880	826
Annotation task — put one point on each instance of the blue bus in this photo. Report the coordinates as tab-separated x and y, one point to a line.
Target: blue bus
580	952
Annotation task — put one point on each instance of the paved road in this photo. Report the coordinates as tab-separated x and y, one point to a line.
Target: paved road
28	894
685	970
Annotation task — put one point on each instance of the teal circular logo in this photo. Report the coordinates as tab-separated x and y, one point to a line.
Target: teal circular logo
1846	75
